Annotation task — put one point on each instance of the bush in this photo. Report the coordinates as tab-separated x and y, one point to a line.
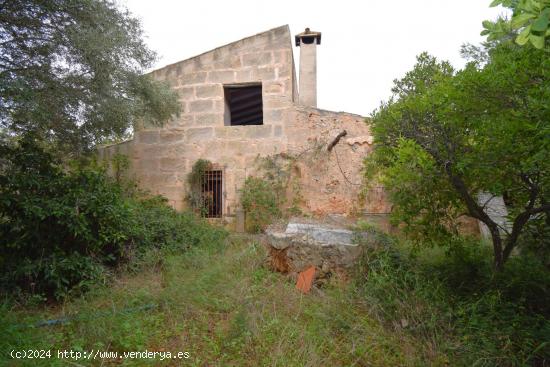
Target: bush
60	229
458	304
260	203
160	226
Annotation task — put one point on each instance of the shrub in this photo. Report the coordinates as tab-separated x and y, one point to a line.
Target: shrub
160	226
61	229
57	228
458	304
260	202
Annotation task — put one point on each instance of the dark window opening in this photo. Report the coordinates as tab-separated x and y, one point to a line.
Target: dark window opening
244	105
212	194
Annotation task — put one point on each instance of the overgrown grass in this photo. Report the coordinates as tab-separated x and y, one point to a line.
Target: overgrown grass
218	302
458	306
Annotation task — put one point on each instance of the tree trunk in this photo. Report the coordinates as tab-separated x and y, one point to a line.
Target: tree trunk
497	247
476	211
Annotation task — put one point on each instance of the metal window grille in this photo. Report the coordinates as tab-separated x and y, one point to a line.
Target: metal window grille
212	194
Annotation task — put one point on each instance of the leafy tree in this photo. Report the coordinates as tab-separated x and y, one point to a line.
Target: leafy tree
448	135
530	20
72	71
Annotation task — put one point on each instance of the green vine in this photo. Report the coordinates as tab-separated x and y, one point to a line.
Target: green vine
280	172
195	198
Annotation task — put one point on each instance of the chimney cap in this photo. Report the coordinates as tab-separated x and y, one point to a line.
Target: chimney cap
308	36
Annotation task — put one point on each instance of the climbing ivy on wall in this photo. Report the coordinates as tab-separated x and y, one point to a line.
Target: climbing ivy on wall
195	198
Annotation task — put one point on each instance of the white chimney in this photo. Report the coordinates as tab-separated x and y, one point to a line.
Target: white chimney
308	41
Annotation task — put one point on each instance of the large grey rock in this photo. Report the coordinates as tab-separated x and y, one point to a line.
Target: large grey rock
315	244
321	234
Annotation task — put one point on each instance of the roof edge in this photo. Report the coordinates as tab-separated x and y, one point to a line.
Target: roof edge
219	47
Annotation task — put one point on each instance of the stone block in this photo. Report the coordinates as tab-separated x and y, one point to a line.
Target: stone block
283	71
184	106
162	179
257	58
282	57
171	136
200	133
278	42
264	73
147	150
186	93
230	132
187	66
209	91
172	192
221	76
228	160
180	122
172	164
148	164
230	62
316	244
245	76
277	130
273	115
206	58
209	119
219	106
201	106
273	88
219	53
258	131
193	78
148	137
235	147
190	150
275	102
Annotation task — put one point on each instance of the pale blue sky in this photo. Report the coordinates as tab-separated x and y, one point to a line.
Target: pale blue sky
365	45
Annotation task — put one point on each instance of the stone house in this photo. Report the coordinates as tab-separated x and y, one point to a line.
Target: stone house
241	102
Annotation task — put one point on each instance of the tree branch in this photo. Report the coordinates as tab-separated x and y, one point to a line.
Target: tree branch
336	139
522	219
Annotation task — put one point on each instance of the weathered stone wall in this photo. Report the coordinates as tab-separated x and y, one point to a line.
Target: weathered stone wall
332	180
161	158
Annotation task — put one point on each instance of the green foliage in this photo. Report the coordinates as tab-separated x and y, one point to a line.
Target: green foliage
529	23
195	180
448	135
457	305
399	311
57	227
279	171
120	164
160	226
260	203
218	299
72	71
61	229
